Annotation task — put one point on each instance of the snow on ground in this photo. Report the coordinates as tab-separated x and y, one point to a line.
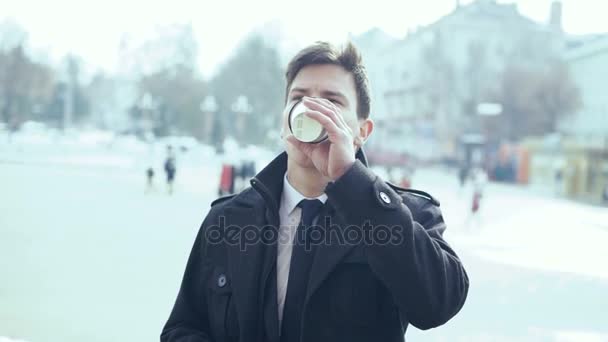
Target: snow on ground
579	336
519	227
7	339
198	166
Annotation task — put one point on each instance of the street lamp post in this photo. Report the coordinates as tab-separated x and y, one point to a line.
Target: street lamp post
147	121
242	109
489	109
208	107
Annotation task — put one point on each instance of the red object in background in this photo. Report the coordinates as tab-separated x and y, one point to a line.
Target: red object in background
226	180
523	170
505	152
405	183
476	200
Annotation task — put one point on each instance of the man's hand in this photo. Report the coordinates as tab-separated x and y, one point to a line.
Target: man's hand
336	155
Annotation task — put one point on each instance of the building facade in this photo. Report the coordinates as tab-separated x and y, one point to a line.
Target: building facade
426	87
588	64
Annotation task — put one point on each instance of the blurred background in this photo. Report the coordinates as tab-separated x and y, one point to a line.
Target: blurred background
121	122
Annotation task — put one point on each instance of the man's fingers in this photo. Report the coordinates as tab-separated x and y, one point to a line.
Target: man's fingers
318	105
327	123
331	110
305	148
328	104
297	143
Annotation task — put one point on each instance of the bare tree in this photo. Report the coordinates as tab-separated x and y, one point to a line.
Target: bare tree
255	72
533	100
177	93
25	86
168	74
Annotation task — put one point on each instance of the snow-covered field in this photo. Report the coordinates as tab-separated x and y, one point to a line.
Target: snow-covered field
517	226
87	255
198	164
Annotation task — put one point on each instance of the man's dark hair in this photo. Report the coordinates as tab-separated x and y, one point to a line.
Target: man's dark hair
348	58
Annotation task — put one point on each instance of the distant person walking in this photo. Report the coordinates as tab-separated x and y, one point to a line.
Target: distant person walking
479	179
150	179
170	169
227	176
463	173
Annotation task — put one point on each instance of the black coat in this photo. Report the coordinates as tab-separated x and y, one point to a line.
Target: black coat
356	292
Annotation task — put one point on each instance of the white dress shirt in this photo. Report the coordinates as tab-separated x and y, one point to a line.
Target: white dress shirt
289	215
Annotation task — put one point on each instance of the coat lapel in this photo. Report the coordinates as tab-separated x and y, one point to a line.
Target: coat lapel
244	265
328	255
269	286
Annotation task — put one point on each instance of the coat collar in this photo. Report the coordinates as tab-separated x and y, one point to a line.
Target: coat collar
269	181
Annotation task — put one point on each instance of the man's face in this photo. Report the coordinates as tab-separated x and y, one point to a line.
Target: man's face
327	81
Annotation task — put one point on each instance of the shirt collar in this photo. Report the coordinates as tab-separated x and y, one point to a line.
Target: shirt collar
291	197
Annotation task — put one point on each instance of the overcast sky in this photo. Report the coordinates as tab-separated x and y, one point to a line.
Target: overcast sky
93	29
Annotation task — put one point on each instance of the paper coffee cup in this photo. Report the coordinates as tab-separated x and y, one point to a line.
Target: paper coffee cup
304	128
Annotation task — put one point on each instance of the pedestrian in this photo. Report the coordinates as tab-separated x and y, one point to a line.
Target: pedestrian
559	181
245	281
170	169
406	178
479	180
150	179
463	173
226	186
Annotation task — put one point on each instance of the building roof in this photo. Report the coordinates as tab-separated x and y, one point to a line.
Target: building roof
579	47
488	9
378	40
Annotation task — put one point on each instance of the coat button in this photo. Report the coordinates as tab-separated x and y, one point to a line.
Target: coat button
385	197
221	280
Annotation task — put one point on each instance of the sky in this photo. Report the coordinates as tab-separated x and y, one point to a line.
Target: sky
93	29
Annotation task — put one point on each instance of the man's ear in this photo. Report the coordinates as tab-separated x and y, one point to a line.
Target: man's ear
366	127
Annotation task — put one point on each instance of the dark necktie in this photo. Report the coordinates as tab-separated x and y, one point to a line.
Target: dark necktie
299	270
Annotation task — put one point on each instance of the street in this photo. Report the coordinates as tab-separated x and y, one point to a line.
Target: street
87	255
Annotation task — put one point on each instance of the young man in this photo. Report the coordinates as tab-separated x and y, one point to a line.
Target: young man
384	266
